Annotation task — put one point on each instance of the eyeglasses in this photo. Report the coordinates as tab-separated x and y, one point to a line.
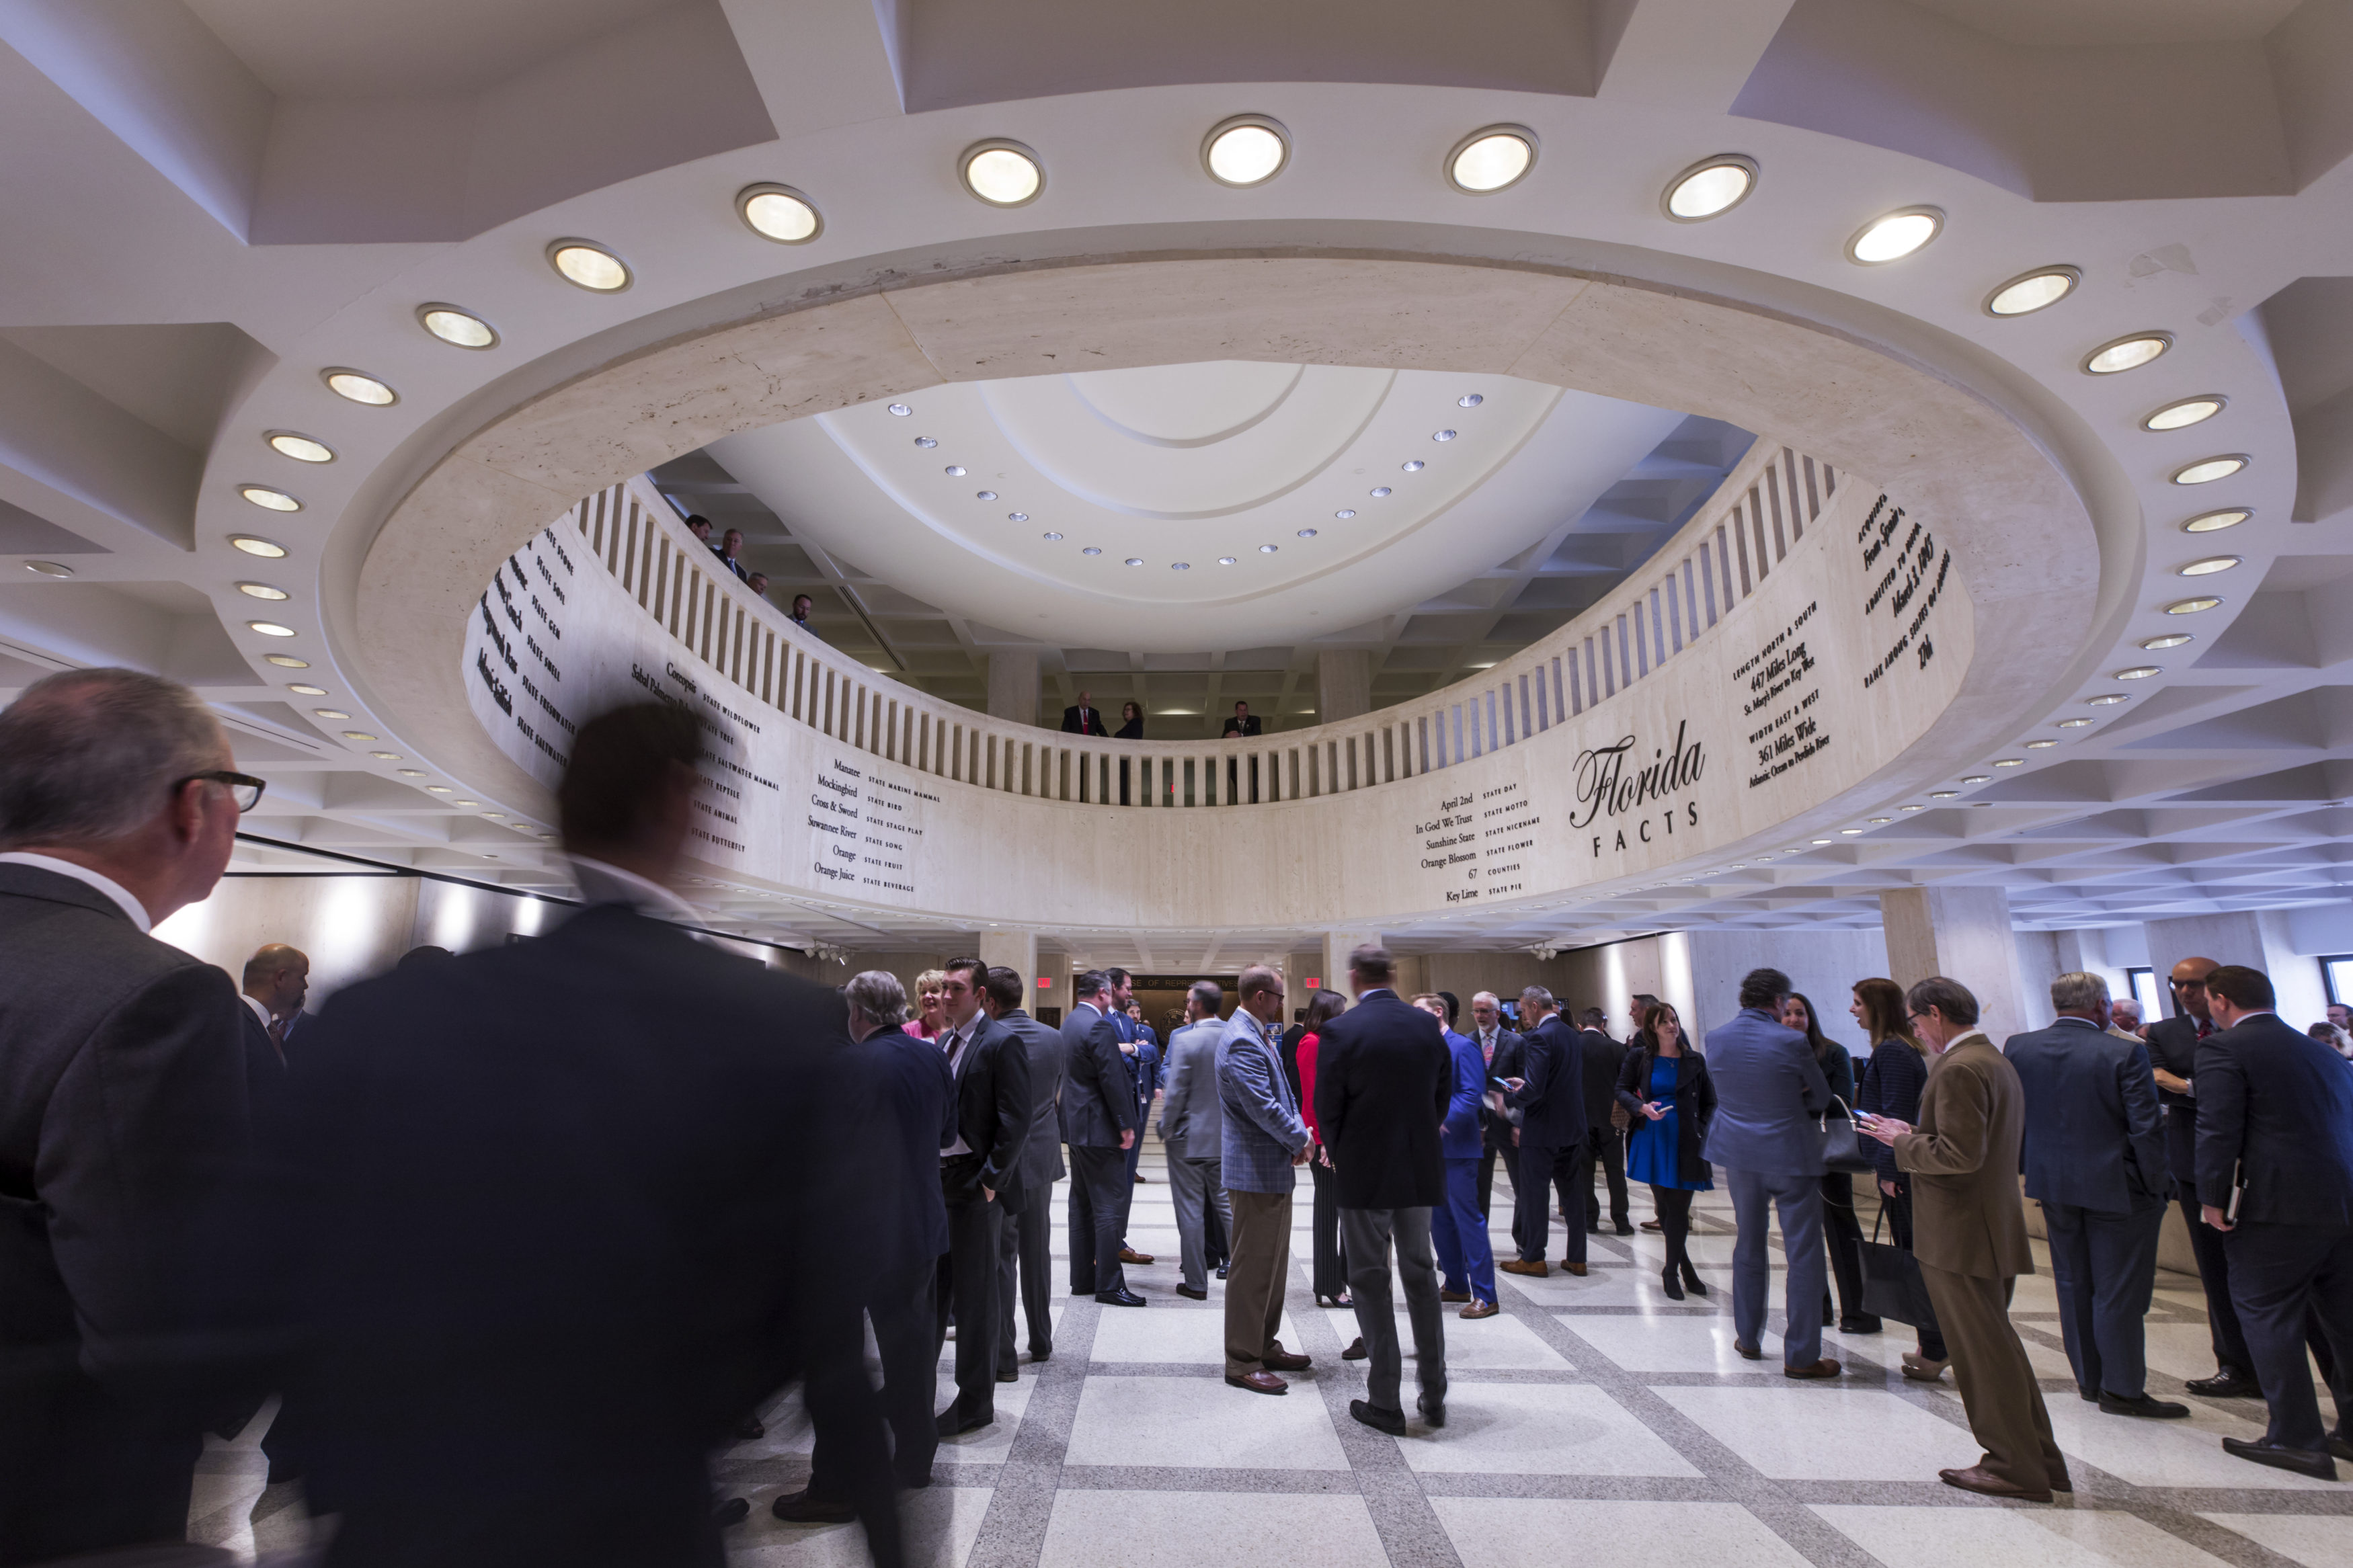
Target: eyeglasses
244	789
2189	986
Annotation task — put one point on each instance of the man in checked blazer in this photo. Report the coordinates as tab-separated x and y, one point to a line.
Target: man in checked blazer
1262	1139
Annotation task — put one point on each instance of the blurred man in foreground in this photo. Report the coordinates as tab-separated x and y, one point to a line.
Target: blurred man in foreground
563	1211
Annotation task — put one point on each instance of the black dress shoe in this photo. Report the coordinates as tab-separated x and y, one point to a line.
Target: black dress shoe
2154	1409
1008	1374
1043	1355
2342	1447
1192	1295
1860	1323
1123	1297
1221	1271
1432	1414
1624	1230
1390	1421
730	1512
806	1507
955	1421
2228	1384
2312	1462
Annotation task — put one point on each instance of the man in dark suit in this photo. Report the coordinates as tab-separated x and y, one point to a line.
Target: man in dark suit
1383	1083
994	1109
2275	1182
1084	717
1028	1233
909	1078
2173	1053
587	1200
1549	1094
2095	1162
1099	1124
1601	1057
1500	1046
1242	725
123	1109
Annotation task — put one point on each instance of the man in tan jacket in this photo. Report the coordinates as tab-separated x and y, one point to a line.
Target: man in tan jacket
1969	1237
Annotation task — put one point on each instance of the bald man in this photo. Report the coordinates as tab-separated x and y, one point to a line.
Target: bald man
277	978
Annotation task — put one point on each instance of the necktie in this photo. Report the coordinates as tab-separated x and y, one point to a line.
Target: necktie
278	1037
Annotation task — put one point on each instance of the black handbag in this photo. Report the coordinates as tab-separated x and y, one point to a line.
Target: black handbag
1842	1144
1891	1286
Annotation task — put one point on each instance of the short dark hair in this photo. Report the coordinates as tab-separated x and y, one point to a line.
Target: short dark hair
1089	983
1003	986
425	957
1207	993
1257	980
1594	1018
1119	976
1644	1000
1949	997
1453	1006
620	761
1763	987
2247	989
695	518
971	966
798	598
1373	962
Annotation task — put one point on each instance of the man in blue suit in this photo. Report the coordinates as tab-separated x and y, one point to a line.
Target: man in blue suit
1551	1101
1143	1053
1099	1124
1769	1095
2095	1162
1456	1226
2275	1177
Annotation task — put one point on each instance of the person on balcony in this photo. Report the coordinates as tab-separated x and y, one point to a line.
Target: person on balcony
1084	717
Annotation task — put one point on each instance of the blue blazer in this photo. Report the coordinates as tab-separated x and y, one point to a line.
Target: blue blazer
1769	1092
1552	1099
911	1078
2280	1104
1458	1138
2093	1137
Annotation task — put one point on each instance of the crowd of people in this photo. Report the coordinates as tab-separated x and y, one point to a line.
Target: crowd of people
518	1238
729	548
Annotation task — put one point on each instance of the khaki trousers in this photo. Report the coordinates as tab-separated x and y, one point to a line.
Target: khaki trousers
1255	1279
1996	1380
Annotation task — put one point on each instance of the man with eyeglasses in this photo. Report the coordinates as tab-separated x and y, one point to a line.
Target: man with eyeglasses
2173	1049
124	1108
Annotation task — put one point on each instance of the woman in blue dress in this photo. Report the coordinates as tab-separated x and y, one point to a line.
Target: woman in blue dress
1664	1087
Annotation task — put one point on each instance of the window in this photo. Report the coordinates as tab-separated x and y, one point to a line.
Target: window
2337	977
2154	1004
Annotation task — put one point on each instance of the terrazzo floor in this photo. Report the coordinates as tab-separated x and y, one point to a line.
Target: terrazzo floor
1594	1422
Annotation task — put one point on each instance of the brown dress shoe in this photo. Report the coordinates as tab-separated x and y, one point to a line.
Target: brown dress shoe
1479	1309
1454	1295
1823	1368
1258	1381
1576	1268
1536	1271
1129	1254
1747	1353
1651	1225
1978	1478
1281	1360
1356	1351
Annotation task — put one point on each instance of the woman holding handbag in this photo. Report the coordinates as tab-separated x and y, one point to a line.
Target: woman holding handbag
1891	1082
1664	1088
1841	1232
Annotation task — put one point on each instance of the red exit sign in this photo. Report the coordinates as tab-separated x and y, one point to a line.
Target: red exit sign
1314	983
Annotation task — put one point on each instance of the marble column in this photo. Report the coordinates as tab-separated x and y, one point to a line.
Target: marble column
1017	950
1013	684
1963	933
1344	684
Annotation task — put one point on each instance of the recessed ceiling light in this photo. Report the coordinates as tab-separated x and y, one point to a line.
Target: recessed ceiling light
1944	794
286	661
2216	522
1306	534
925	442
304	688
1268	549
1053	538
1975	778
1469	400
2207	470
1709	188
268	499
956	470
2170	639
2037	746
1412	465
1850	832
2193	606
779	213
1017	517
2009	762
2106	700
1442	436
330	712
411	772
1002	173
462	329
262	591
1227	560
1247	150
1136	561
1820	842
301	448
1980	803
1180	566
1344	513
985	495
49	568
2208	567
588	265
2127	354
2188	411
358	386
1911	808
357	735
496	816
2139	672
386	756
272	628
1091	549
1875	822
2077	723
1379	492
1491	160
437	789
2032	291
465	803
1895	236
266	549
900	410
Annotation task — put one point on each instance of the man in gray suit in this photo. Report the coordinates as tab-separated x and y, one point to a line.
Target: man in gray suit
2095	1162
1769	1092
1190	1127
123	1107
1027	1237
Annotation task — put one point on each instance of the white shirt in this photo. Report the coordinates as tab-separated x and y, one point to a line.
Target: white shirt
113	889
604	884
259	1011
